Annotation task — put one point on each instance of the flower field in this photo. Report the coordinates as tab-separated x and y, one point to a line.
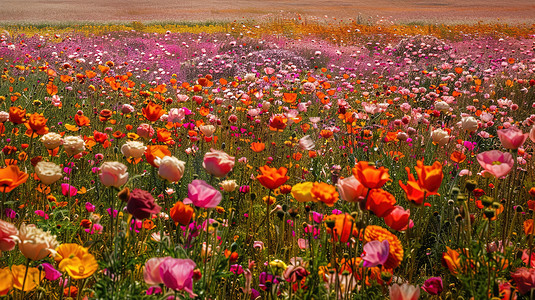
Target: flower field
278	160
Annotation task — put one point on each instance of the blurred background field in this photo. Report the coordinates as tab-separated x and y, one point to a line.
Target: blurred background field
397	11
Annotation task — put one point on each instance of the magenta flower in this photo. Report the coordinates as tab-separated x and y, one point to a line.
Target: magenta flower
95	229
89	207
433	285
42	214
50	272
177	274
375	253
512	137
496	162
201	194
68	190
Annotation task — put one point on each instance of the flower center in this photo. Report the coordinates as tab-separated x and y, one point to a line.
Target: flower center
496	163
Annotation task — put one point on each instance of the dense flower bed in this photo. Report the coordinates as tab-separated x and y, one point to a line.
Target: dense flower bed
215	165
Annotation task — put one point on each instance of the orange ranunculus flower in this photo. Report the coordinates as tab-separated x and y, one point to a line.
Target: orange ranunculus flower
36	125
378	233
380	202
324	192
413	191
370	176
153	111
277	122
6	281
156	151
11	177
258	147
429	177
528	226
326	134
105	115
458	157
451	260
272	178
344	227
17	115
164	135
81	120
181	213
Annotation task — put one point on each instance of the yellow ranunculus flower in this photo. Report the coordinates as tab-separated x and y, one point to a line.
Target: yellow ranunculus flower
278	264
76	261
32	279
302	192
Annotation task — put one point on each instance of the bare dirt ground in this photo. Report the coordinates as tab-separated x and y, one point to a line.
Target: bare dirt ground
430	11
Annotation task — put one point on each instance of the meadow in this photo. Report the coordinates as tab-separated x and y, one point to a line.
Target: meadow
287	159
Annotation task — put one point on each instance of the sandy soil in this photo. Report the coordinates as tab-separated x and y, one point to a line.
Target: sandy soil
444	11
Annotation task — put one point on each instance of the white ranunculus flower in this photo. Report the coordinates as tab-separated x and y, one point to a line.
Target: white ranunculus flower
469	124
170	168
34	243
133	149
48	172
439	136
4	116
207	130
250	77
442	106
228	185
51	140
73	145
113	173
306	143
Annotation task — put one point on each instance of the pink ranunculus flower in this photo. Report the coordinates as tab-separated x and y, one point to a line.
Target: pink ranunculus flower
176	115
7	230
151	272
398	218
177	274
512	137
404	292
145	131
351	190
524	279
433	286
113	173
201	194
375	253
532	134
218	163
496	162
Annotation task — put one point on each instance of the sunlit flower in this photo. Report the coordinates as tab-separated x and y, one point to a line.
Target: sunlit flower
34	243
272	178
76	261
370	176
377	233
